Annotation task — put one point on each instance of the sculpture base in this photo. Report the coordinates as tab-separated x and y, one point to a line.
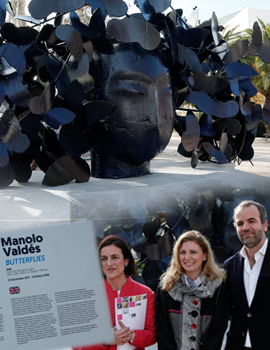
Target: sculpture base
111	168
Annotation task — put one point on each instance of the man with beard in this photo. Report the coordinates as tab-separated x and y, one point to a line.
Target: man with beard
248	280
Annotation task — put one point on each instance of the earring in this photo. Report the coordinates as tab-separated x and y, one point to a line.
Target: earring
126	265
204	259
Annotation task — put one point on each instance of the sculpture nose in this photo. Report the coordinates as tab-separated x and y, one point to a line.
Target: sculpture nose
153	109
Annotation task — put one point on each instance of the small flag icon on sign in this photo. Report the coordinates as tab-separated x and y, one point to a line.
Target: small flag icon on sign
14	290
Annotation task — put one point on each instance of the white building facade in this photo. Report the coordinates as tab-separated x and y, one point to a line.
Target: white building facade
244	19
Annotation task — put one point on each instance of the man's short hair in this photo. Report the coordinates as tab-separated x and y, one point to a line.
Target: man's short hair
249	202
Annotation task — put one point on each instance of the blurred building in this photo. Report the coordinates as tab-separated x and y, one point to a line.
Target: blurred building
244	19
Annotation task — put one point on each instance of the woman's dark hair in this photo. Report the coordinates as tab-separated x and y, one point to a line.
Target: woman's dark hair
130	269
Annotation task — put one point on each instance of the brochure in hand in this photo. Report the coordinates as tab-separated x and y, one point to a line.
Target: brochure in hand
131	311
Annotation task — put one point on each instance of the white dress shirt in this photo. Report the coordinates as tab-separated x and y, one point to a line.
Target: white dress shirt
251	276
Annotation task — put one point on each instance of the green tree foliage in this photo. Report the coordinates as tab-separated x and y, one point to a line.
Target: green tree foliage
262	80
231	35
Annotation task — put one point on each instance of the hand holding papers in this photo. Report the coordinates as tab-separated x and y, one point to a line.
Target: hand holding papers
131	311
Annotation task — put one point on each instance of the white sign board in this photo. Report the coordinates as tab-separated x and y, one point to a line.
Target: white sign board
51	292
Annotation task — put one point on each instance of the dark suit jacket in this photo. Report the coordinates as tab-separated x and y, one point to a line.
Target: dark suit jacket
256	318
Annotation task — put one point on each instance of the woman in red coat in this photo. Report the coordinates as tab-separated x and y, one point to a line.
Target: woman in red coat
118	265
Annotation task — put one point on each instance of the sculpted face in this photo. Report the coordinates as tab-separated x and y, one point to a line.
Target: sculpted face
139	86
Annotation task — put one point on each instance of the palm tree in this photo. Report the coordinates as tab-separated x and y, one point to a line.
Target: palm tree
262	80
231	35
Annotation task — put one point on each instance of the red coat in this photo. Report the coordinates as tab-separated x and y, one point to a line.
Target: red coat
143	338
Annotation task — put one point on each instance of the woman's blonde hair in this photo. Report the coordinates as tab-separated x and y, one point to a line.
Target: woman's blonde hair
175	271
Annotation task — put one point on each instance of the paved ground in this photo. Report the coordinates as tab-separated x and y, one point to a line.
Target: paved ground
171	176
260	161
259	165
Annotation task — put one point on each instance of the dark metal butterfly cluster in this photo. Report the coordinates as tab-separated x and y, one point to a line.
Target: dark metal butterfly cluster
220	86
47	94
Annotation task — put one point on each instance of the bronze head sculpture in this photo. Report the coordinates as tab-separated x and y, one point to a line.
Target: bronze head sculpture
137	82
